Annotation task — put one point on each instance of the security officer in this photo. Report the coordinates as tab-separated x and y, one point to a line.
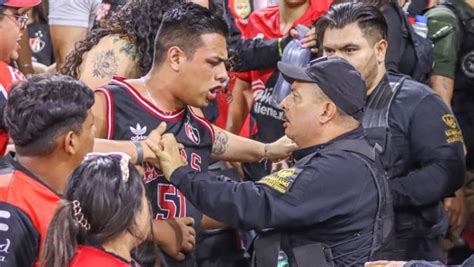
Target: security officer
322	211
420	141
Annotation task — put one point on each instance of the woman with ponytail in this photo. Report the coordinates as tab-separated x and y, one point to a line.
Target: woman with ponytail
103	217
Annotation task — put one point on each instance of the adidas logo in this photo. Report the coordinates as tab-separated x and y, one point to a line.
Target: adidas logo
139	132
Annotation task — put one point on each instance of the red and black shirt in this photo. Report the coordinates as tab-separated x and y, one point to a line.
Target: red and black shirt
27	206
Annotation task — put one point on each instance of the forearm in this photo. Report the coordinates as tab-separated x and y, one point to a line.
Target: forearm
208	223
161	232
242	205
238	111
24	61
239	106
127	147
231	147
429	184
64	38
444	86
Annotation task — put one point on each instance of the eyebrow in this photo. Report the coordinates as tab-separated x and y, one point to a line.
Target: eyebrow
220	59
341	46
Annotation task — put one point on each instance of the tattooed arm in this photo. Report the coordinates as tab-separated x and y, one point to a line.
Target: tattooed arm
444	86
230	147
112	56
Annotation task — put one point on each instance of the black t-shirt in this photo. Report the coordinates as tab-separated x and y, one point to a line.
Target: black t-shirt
19	239
40	43
427	141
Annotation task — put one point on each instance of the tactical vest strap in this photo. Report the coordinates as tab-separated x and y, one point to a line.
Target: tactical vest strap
375	121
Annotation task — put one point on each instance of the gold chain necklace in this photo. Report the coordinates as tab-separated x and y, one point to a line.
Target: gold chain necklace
152	99
148	92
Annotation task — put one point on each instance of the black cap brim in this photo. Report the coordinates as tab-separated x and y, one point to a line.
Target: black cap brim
292	73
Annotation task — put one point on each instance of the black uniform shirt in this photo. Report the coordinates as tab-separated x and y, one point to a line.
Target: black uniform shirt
427	141
332	196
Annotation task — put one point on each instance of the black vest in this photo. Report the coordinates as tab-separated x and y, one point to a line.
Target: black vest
131	117
429	221
463	98
268	244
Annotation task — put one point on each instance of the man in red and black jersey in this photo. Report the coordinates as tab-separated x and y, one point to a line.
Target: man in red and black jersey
50	121
188	70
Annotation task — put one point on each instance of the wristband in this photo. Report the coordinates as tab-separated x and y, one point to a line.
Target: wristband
265	152
280	51
139	150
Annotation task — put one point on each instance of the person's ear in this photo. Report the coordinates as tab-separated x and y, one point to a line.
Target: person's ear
71	143
381	50
175	57
328	112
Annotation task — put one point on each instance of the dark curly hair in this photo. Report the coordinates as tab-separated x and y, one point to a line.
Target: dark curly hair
138	21
44	107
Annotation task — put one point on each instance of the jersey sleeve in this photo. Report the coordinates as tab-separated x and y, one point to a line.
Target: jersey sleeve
443	23
19	239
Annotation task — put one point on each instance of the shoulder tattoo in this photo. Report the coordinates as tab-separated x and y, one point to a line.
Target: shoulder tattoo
105	64
127	48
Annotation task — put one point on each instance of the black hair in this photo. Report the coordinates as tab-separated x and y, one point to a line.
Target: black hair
44	107
183	26
368	17
108	204
380	4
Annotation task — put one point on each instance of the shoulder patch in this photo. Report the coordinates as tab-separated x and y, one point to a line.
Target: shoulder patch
281	181
453	133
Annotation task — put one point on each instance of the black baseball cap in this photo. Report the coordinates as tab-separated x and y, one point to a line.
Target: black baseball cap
338	79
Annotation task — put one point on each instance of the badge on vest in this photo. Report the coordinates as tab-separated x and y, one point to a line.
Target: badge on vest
280	181
467	64
453	134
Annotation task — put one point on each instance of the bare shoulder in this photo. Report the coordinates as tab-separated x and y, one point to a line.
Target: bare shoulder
114	55
119	44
